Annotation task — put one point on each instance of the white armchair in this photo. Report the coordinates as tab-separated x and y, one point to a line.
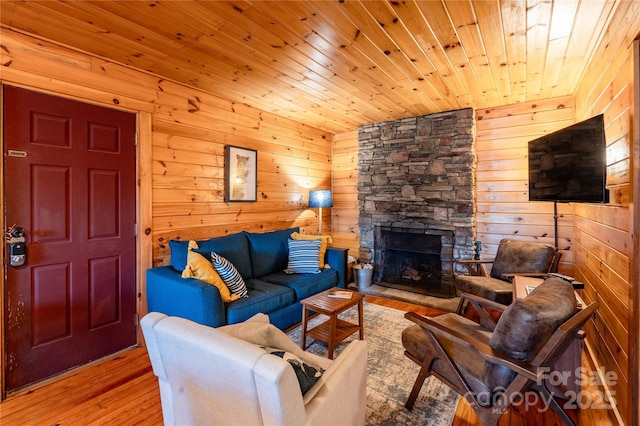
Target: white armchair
207	376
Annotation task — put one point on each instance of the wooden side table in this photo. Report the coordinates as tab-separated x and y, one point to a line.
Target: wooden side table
334	330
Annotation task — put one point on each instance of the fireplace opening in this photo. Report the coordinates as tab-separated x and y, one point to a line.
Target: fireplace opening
415	262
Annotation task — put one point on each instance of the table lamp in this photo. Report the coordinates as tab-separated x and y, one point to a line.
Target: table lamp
319	199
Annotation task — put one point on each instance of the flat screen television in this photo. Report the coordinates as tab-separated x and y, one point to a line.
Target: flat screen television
570	165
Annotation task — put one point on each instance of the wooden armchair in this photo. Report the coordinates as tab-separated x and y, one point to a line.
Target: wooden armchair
512	257
491	363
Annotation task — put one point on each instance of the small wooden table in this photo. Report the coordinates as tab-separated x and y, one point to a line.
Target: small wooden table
522	285
334	330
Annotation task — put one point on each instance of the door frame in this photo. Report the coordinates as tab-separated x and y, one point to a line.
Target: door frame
634	318
144	252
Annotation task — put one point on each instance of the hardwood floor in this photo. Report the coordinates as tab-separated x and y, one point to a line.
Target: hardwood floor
122	390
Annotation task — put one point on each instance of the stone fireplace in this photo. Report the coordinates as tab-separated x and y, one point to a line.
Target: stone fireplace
416	199
419	262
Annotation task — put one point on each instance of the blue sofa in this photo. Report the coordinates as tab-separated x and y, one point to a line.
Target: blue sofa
261	259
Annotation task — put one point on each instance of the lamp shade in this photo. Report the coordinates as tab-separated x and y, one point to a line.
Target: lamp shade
320	198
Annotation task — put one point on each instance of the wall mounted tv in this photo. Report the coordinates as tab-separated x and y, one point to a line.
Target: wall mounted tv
569	165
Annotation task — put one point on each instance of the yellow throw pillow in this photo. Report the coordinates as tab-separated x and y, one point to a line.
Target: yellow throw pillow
326	240
200	268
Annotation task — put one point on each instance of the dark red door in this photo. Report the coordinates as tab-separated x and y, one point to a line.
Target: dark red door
70	183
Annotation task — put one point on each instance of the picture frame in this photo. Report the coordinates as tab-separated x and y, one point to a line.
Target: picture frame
241	174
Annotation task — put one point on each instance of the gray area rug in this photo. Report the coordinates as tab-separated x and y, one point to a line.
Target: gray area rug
390	374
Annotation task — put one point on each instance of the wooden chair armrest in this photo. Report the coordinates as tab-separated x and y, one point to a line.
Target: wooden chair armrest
482	349
474	266
482	302
482	307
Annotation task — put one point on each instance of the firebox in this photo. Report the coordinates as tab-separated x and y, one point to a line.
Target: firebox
416	261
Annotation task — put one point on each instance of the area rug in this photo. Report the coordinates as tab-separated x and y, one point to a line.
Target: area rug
390	374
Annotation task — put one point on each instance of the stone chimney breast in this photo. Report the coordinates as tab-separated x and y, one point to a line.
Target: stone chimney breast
418	174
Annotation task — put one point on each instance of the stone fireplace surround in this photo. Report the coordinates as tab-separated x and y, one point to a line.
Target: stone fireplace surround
415	260
417	175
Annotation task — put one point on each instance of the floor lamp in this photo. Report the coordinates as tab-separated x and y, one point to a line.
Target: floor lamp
319	199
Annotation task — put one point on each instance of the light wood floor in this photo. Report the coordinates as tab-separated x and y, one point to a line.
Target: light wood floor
122	390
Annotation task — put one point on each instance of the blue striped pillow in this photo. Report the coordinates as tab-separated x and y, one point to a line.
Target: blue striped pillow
229	275
304	256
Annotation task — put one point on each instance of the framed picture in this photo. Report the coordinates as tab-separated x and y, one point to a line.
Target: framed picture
241	174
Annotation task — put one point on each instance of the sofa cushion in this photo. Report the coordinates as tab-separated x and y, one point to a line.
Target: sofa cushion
269	251
263	297
200	268
179	250
303	257
527	324
325	241
521	256
229	275
234	248
304	285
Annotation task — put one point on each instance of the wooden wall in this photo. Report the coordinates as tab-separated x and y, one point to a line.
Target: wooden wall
604	249
181	137
344	215
502	193
189	132
503	209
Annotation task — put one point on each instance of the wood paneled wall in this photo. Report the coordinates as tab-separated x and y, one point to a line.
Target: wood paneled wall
344	215
603	246
503	209
189	130
502	193
181	137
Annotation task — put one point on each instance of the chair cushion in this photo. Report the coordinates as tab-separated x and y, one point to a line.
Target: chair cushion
486	287
527	324
416	341
521	256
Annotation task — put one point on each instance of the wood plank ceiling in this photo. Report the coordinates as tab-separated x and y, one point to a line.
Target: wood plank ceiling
335	65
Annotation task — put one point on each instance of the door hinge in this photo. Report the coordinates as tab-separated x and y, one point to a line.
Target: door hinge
135	229
135	139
